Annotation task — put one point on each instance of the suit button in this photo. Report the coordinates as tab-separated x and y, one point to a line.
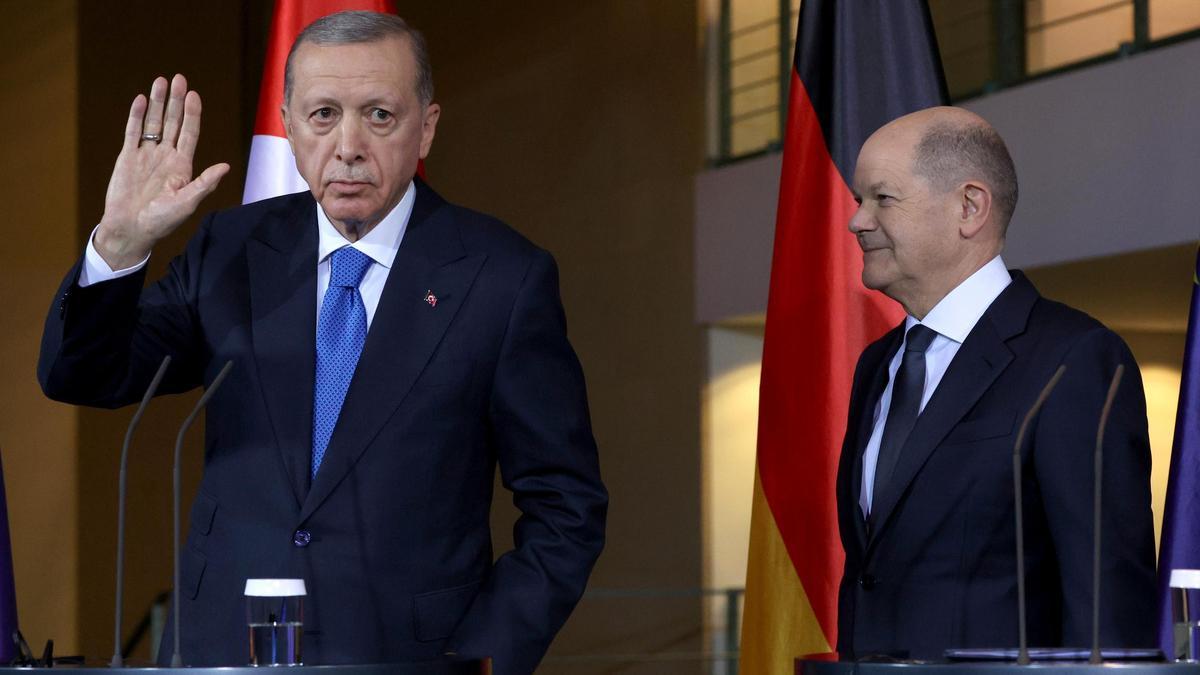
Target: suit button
867	581
301	538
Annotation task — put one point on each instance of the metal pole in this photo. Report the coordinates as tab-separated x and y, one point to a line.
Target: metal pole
787	56
1010	41
724	75
732	629
1141	24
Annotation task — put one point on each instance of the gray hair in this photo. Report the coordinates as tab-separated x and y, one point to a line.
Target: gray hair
357	27
949	154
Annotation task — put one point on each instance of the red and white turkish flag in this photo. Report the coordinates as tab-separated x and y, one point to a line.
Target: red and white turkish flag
272	167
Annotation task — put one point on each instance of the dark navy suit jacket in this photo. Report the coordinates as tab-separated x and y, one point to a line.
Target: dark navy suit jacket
398	559
936	568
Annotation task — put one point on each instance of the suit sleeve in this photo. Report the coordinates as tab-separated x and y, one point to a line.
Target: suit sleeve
547	457
102	343
1064	448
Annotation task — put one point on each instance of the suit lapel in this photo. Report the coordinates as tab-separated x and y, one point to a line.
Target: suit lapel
281	256
980	360
404	333
876	373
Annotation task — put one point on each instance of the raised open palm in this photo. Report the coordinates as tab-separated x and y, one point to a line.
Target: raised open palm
152	191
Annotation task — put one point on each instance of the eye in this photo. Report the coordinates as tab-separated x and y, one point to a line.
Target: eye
858	200
883	199
380	115
323	114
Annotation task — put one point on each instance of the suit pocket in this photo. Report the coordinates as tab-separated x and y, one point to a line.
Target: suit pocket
203	511
191	572
982	428
435	614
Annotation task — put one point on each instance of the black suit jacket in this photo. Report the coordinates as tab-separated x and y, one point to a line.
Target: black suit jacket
936	568
399	562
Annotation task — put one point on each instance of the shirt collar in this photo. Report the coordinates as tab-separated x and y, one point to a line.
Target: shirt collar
381	243
957	313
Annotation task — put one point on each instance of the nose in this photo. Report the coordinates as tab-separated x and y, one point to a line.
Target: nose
351	146
861	221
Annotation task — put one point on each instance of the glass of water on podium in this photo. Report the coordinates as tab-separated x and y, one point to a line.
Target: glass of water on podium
275	618
1185	608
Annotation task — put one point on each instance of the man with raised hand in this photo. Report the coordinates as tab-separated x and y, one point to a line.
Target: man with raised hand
390	351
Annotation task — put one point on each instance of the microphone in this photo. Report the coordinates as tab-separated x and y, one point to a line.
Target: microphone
1098	483
1023	653
117	658
1094	654
176	659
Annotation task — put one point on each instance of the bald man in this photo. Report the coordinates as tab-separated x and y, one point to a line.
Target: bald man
925	487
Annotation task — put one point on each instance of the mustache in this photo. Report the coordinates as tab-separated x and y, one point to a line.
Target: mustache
350	174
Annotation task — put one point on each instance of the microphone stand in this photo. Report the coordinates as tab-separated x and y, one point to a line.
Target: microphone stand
1023	654
1096	657
117	657
176	659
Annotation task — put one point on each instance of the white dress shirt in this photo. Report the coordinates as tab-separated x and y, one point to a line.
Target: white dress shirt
952	319
380	245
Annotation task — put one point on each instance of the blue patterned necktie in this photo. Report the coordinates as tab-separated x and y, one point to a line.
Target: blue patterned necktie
341	332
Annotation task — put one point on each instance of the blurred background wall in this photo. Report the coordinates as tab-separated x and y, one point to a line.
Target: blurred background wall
38	439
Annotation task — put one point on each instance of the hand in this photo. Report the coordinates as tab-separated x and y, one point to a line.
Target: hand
151	191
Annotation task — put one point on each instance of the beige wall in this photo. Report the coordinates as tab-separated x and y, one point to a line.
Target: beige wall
729	440
37	171
1159	357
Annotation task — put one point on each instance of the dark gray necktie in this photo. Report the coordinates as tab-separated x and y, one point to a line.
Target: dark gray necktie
906	405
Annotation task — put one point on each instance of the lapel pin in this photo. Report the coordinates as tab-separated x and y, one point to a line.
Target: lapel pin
431	298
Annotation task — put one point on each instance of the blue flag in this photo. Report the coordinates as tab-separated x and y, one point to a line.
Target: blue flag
1180	547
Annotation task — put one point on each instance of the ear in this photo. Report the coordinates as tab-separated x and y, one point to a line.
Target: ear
287	126
433	111
974	208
